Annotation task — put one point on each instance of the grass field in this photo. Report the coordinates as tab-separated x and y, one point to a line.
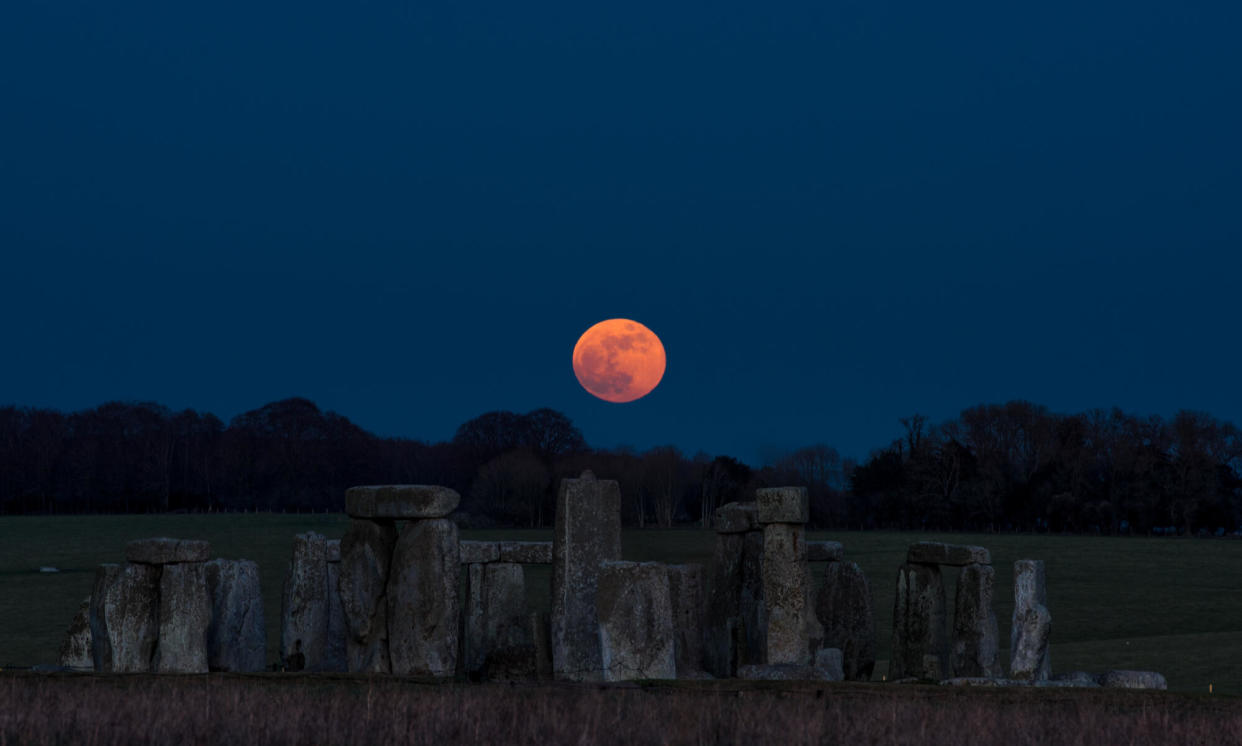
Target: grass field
1168	604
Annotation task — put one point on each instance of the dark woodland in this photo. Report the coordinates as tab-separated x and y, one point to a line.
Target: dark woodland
995	467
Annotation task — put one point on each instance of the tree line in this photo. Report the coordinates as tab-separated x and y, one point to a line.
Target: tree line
1005	467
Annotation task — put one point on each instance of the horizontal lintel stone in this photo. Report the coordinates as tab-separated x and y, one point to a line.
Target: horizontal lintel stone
166	551
956	555
824	551
401	501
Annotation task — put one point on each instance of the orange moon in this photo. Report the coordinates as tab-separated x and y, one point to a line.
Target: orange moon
619	360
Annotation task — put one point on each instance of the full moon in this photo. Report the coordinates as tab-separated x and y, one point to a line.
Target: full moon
619	360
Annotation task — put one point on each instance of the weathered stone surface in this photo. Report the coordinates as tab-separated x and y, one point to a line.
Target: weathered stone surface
975	636
736	518
366	554
843	607
400	501
685	587
75	651
830	664
1133	680
635	621
332	550
920	639
824	551
304	606
124	614
723	604
782	505
1073	679
423	604
792	629
526	552
499	639
474	552
185	614
588	532
1031	628
754	610
336	657
956	555
541	628
164	551
236	636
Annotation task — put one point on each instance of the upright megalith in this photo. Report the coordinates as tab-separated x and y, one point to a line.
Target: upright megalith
588	532
366	556
184	617
1029	658
792	631
499	637
723	621
843	607
685	587
920	639
236	637
975	637
75	651
124	617
304	606
635	613
422	598
336	656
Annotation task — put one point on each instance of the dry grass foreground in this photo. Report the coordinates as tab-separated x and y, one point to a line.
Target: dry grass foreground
94	710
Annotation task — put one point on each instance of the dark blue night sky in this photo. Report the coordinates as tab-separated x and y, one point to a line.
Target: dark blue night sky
834	214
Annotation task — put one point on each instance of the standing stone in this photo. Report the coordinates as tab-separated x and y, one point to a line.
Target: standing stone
843	608
588	532
635	622
366	555
724	603
125	606
541	627
975	636
920	640
236	637
304	607
1029	659
335	656
499	640
185	614
685	587
75	652
754	610
792	629
423	606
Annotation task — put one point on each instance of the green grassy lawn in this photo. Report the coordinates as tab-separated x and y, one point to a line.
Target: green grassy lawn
1171	605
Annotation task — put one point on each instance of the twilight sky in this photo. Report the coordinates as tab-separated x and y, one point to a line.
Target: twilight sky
833	214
